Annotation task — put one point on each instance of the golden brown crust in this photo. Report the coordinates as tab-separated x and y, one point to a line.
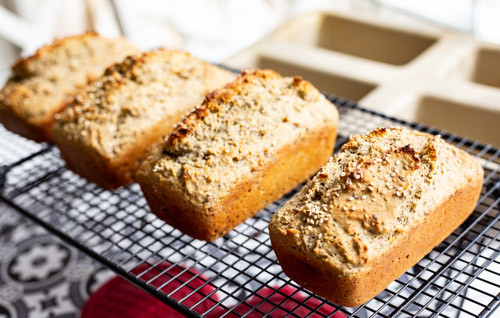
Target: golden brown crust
121	117
43	84
344	234
248	144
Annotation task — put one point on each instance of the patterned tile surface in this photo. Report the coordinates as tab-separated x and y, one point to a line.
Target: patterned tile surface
41	276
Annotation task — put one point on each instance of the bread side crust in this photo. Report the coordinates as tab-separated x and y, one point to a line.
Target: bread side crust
356	287
39	132
291	165
120	171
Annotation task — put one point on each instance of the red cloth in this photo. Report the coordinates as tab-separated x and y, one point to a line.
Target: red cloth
288	300
120	298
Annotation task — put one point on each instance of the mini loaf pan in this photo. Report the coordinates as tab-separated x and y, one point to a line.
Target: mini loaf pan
406	69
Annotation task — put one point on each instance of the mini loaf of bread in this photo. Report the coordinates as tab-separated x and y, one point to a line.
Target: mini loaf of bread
110	128
247	145
43	84
373	211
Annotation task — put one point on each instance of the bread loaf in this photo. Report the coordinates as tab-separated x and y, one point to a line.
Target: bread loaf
110	128
247	145
42	84
373	211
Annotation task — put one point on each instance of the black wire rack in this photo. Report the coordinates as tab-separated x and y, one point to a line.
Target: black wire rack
238	275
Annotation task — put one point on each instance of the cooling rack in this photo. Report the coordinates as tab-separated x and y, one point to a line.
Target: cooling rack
238	275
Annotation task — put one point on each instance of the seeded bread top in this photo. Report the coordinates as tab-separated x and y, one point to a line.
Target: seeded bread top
43	83
134	96
377	187
237	131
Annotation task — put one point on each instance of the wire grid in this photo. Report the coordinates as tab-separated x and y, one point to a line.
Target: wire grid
238	275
